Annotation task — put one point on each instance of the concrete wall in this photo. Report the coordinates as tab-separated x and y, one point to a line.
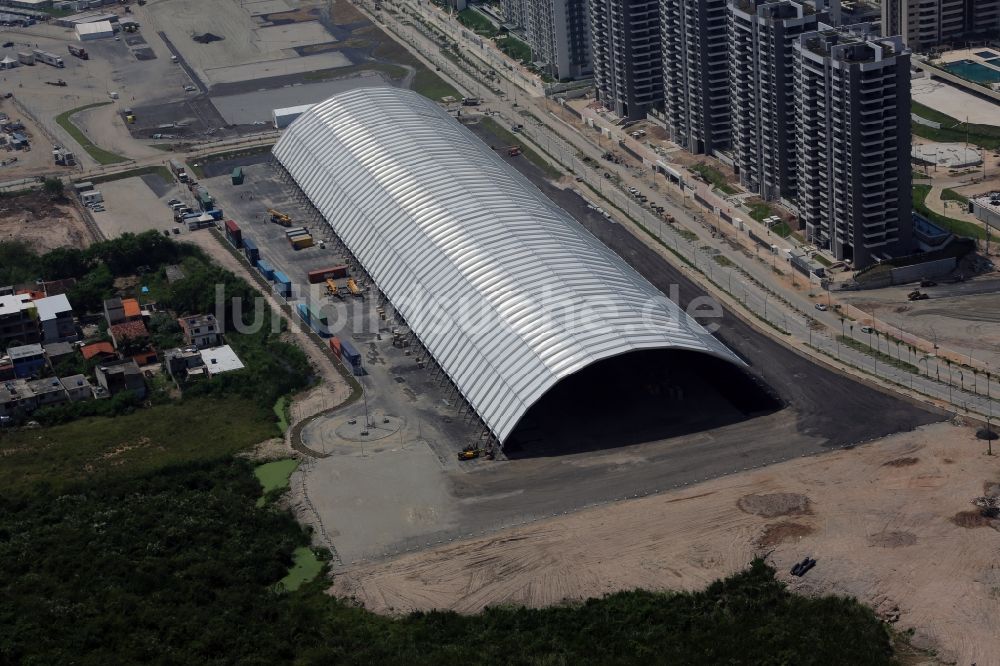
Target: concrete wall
917	272
987	215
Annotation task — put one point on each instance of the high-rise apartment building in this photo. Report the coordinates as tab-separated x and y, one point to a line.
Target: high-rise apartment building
762	36
515	12
626	42
558	32
852	124
695	57
924	24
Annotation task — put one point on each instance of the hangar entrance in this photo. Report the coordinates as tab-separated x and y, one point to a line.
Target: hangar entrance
641	396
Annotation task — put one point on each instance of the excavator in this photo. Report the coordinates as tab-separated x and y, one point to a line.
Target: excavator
469	453
280	218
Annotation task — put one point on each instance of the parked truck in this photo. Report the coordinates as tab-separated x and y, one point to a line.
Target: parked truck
205	199
48	58
78	51
26	58
177	168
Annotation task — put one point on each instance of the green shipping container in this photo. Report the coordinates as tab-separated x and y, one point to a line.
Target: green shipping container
238	176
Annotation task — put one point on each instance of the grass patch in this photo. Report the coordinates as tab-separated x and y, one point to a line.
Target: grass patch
686	234
432	86
515	48
393	71
949	194
782	229
281	411
475	21
760	211
165	147
305	567
97	449
722	261
102	156
512	139
713	176
880	356
162	171
957	227
920	176
820	259
954	130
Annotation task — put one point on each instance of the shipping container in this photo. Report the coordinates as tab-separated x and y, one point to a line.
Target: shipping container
265	268
351	356
216	213
335	346
316	314
303	311
234	234
296	230
282	285
321	328
237	176
324	274
302	242
251	251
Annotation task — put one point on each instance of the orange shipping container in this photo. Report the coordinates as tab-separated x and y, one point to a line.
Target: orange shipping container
323	274
335	346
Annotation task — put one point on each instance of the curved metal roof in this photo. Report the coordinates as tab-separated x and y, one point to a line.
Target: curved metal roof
506	291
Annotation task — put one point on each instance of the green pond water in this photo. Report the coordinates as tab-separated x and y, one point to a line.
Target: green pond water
274	475
304	568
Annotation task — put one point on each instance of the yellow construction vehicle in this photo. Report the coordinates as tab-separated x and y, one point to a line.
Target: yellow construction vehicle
331	289
469	453
353	287
280	218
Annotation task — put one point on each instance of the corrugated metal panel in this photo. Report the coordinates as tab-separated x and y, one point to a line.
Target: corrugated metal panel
445	227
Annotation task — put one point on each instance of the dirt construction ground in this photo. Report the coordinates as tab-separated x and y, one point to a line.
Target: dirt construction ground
35	220
891	523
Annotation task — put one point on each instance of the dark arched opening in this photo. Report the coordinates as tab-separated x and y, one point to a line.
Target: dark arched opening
641	396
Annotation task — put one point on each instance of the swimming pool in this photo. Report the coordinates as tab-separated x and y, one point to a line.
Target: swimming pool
973	71
986	54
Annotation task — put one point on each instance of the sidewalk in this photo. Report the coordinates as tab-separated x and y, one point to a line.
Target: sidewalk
953	209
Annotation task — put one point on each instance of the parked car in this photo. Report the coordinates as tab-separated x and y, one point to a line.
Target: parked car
821	307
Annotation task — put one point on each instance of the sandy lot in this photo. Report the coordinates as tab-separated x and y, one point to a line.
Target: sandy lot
891	523
132	207
954	101
962	323
44	226
111	67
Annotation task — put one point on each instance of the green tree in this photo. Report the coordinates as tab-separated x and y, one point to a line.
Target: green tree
54	187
